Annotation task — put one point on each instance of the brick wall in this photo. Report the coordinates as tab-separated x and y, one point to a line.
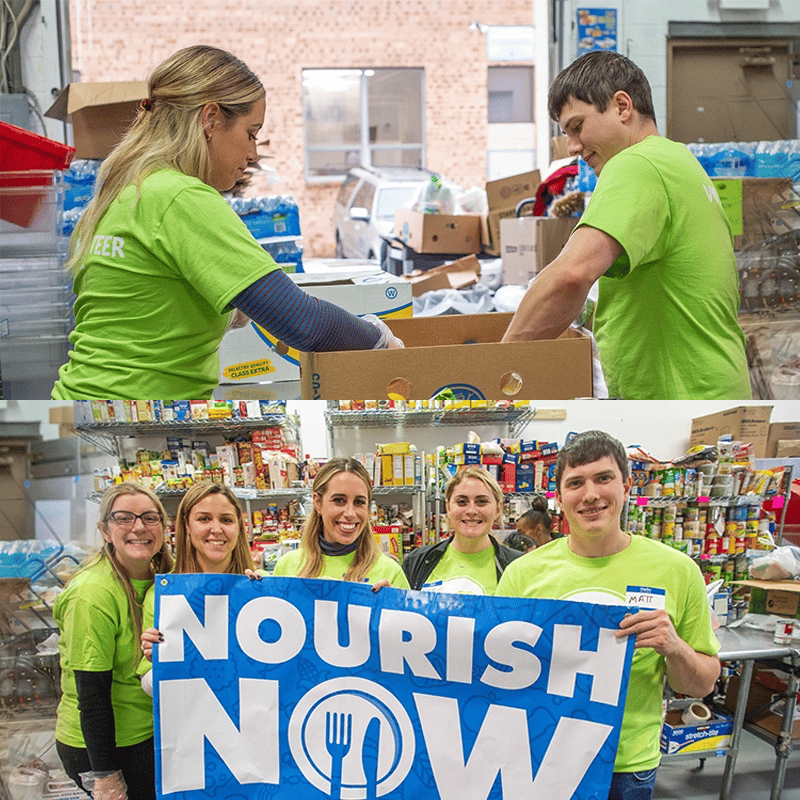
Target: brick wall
125	39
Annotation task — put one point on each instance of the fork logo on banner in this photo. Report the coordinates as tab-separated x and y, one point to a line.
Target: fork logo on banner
299	688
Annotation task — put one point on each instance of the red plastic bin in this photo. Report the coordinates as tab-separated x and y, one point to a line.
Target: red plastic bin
22	151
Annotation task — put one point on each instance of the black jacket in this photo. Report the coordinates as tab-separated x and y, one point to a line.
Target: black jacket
419	563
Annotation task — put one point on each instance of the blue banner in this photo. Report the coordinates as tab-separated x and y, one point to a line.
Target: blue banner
306	688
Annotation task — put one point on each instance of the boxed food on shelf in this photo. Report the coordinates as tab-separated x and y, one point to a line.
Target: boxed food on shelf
502	197
529	244
252	354
100	113
438	233
678	738
461	354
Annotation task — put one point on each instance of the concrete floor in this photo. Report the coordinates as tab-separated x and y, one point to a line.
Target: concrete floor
755	765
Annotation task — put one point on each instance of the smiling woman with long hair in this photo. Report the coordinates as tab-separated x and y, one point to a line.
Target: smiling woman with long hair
337	539
104	727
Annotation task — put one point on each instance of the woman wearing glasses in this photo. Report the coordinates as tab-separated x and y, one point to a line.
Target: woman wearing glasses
104	729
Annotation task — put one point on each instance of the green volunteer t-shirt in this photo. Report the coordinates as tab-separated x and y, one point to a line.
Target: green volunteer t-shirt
96	636
666	321
554	571
152	297
464	573
335	567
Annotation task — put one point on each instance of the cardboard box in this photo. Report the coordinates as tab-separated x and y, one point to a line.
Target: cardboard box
759	697
558	148
251	354
460	352
747	424
781	598
502	197
715	735
438	233
758	208
528	244
458	274
100	113
779	431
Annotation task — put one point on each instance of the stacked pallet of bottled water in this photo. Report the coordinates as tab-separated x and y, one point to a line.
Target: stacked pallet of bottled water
274	220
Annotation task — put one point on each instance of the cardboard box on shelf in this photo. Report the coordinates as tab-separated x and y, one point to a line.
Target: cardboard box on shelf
746	424
781	598
462	353
714	735
778	432
758	208
251	354
438	233
457	274
502	197
528	244
100	113
759	697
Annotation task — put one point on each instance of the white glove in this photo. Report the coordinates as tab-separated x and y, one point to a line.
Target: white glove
387	339
105	785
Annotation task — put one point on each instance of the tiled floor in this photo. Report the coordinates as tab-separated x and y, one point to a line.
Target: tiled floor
755	765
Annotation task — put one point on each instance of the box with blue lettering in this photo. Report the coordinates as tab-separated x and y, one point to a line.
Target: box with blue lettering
710	736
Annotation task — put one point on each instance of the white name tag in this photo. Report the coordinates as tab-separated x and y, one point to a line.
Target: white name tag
646	597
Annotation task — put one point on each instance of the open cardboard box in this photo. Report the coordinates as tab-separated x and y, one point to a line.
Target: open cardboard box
462	353
781	598
252	354
458	274
100	113
714	735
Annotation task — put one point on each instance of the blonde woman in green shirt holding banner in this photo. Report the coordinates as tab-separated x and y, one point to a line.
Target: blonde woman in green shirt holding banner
209	537
471	561
104	729
337	540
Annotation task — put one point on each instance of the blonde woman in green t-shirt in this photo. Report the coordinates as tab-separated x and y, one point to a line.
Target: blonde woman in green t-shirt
160	259
209	537
337	540
472	560
105	738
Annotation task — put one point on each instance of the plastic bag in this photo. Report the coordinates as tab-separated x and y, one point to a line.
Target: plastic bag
783	563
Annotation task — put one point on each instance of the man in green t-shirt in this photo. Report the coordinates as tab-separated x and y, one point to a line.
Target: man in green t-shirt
599	563
655	238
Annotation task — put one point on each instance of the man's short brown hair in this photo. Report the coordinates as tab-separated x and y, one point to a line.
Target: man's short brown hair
588	447
594	78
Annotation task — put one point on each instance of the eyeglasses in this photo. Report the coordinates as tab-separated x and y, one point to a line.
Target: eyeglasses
127	518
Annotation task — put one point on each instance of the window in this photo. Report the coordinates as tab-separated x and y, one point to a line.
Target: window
365	196
510	94
372	117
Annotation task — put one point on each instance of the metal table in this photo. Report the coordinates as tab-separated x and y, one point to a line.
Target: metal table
748	646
